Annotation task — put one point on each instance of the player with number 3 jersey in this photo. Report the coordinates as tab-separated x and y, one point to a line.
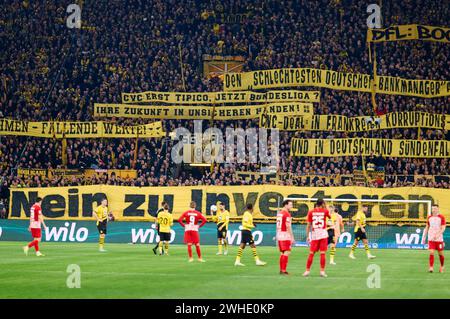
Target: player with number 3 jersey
317	224
189	220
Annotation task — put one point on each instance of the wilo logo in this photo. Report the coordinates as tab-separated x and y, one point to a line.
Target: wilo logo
235	237
345	237
148	235
408	239
66	233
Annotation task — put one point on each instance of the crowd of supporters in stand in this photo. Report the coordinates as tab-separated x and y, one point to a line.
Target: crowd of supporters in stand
51	72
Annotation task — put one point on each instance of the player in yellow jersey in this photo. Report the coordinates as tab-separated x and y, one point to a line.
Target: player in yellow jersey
247	237
101	214
164	221
156	226
222	220
335	226
360	233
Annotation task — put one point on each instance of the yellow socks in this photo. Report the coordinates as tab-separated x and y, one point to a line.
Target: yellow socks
166	248
366	247
101	242
239	254
219	245
332	253
255	255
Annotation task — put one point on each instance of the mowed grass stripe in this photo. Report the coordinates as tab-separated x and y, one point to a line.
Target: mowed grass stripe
132	271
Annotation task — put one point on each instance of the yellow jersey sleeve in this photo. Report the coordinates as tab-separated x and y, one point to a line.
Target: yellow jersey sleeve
227	218
362	220
331	222
223	218
247	221
101	212
165	220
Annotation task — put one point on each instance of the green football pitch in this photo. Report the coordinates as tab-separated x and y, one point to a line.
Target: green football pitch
133	271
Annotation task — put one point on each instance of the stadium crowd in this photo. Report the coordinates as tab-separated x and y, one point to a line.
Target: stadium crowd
51	72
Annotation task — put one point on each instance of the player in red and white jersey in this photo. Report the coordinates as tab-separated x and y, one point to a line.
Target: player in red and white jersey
189	220
317	223
435	229
285	237
36	220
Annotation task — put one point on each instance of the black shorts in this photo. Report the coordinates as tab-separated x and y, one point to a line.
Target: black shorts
247	237
359	235
102	227
331	236
164	236
221	233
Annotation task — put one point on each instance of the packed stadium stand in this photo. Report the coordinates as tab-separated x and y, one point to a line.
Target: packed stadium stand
50	72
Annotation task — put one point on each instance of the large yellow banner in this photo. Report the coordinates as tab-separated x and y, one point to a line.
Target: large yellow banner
370	146
199	112
78	172
409	32
297	77
221	97
342	123
97	129
423	88
266	79
137	203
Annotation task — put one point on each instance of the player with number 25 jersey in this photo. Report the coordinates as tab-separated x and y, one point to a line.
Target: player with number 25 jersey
317	224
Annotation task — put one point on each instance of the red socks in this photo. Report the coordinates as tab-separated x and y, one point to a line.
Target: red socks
310	261
322	262
190	251
34	243
283	262
199	253
441	260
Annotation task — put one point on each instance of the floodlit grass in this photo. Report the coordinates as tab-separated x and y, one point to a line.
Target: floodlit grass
133	271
